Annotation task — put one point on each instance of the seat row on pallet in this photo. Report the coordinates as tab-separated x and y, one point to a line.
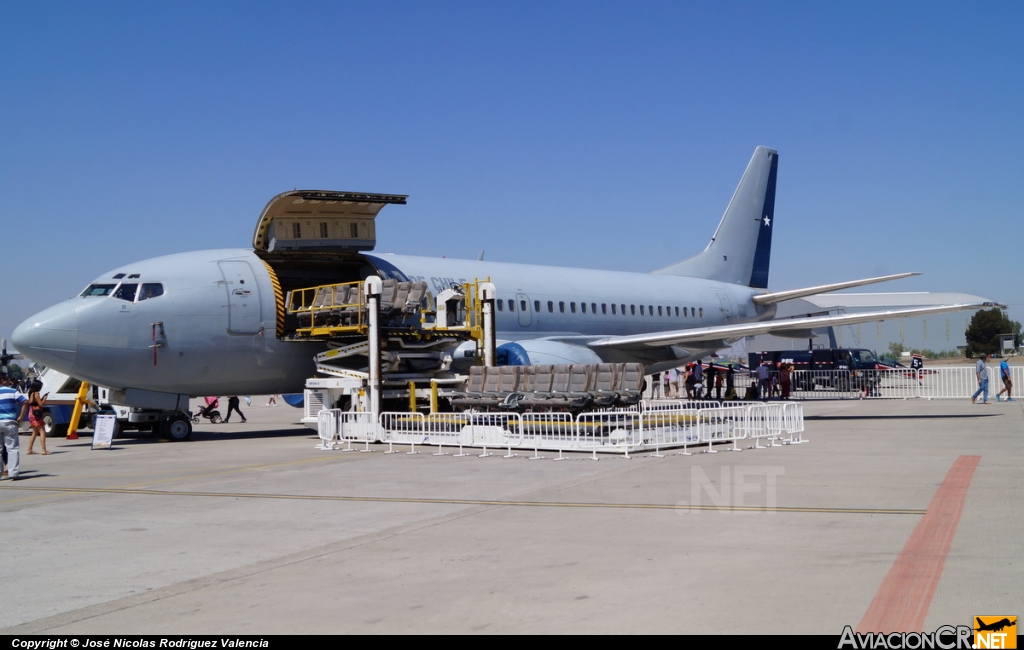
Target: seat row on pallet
340	304
573	388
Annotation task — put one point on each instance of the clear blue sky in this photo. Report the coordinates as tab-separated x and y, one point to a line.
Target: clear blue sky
601	134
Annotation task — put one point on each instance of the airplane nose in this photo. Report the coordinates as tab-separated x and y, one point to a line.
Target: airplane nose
50	337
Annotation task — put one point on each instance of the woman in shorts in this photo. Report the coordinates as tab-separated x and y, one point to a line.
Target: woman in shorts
35	416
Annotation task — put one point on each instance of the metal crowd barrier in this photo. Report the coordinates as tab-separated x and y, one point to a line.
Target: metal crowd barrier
657	423
608	431
547	430
621	431
327	428
949	382
335	426
793	423
666	428
723	424
764	422
417	428
358	427
494	430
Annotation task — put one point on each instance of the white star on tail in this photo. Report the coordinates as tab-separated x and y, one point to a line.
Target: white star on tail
767	221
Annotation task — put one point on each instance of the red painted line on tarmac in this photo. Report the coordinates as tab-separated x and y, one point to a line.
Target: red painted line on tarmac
906	593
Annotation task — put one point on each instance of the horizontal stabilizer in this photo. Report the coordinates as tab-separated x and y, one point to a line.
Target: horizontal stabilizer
792	294
702	336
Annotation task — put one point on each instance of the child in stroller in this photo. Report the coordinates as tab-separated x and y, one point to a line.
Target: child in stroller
209	411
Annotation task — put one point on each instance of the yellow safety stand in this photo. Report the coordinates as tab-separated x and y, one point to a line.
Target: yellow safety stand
76	413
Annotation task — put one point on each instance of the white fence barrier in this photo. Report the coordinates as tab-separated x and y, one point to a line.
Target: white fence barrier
327	428
419	429
553	431
666	428
723	424
360	426
655	424
608	431
621	431
793	423
948	382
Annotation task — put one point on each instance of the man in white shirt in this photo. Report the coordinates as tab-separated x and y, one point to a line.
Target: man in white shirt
13	405
981	371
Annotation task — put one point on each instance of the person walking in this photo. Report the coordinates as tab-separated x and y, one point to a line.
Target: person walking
785	374
233	406
698	380
689	381
1004	374
35	417
764	384
272	401
981	371
13	405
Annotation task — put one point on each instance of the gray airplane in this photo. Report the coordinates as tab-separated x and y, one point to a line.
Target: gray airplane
212	322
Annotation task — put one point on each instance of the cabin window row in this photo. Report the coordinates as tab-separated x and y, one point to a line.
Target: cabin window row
613	309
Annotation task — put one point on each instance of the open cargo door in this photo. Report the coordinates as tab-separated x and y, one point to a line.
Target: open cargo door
320	221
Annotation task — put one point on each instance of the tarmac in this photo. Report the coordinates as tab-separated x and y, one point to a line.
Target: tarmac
896	514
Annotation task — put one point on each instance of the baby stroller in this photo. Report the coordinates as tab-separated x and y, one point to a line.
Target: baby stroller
209	412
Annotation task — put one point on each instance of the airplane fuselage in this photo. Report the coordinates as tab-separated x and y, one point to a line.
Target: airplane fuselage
546	301
211	329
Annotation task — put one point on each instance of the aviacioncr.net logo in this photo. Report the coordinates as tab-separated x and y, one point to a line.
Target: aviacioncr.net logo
946	637
995	632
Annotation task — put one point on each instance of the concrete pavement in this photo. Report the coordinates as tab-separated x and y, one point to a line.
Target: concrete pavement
248	530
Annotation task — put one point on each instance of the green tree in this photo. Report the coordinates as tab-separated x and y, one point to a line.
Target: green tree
16	372
932	354
896	350
984	329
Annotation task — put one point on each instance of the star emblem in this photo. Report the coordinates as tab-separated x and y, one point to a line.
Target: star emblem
767	221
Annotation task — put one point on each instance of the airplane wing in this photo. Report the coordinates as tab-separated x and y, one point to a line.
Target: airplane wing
782	296
714	336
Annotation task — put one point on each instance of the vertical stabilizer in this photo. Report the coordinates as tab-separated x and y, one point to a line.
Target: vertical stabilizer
740	251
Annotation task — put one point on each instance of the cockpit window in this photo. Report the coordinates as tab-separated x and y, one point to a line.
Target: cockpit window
98	290
151	290
126	292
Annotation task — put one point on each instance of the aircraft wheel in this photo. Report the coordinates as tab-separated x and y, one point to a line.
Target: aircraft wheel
177	428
